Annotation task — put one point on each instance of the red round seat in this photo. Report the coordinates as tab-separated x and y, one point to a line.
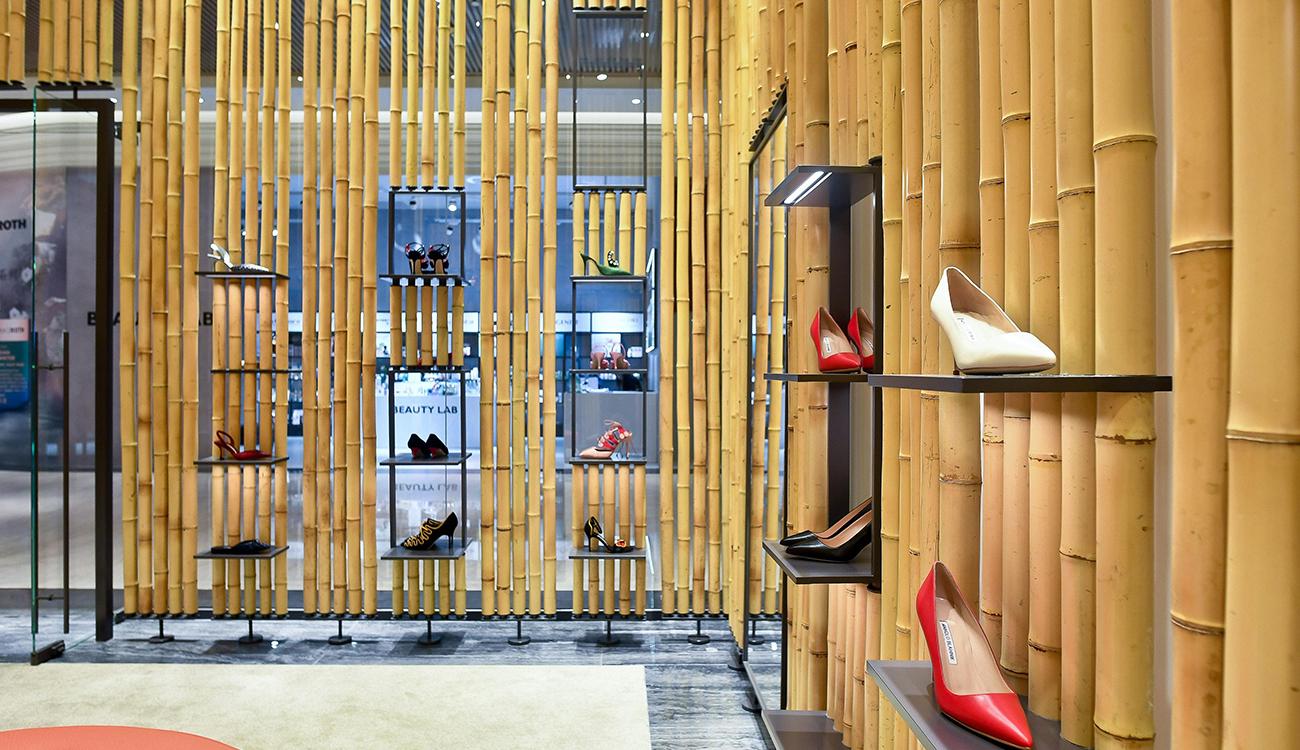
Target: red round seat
106	738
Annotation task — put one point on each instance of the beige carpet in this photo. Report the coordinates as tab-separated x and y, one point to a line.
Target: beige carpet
335	706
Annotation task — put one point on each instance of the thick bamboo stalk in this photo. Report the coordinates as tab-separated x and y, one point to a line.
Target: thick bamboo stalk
518	327
69	12
343	569
1013	33
1045	408
281	536
577	518
1201	256
579	236
639	534
503	306
429	93
458	97
1124	152
89	40
639	232
144	319
959	245
758	415
533	385
487	296
324	331
61	26
625	258
699	314
396	128
666	265
992	237
190	315
105	46
369	311
682	315
609	227
265	296
606	512
1075	191
310	302
412	85
45	42
7	41
713	290
234	291
175	311
129	410
550	259
624	527
158	292
1263	434
444	93
593	509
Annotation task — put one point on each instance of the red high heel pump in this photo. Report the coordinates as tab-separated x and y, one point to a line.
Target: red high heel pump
230	448
835	353
968	683
861	333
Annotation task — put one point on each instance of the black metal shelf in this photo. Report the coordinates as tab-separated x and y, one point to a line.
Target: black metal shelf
633	461
624	371
802	730
609	12
254	371
415	279
451	459
598	279
266	555
440	551
818	377
425	190
1026	383
215	461
592	188
803	571
582	553
429	369
907	685
824	186
242	275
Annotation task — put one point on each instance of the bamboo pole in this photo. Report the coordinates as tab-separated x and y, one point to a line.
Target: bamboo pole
593	509
1262	418
666	265
639	232
992	238
221	222
487	296
158	294
533	385
175	312
105	47
1124	152
280	564
713	287
550	259
325	488
579	237
518	331
593	227
959	245
129	411
89	40
429	92
62	30
70	11
45	42
444	93
699	314
682	315
625	258
1075	191
396	127
639	533
606	512
503	306
234	292
266	496
458	98
355	241
1201	256
892	481
609	227
310	303
931	207
369	311
16	58
1013	33
412	85
1045	408
342	67
909	333
190	315
7	41
624	526
577	518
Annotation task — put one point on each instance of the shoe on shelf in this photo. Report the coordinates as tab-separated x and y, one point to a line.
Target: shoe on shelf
968	684
845	545
414	253
596	539
219	253
426	449
835	528
609	443
438	258
835	353
985	341
605	269
435	446
430	532
229	449
246	547
862	333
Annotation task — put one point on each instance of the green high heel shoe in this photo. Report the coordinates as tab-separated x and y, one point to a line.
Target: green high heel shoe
611	269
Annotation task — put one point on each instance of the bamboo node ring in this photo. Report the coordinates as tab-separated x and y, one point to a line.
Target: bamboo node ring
1076	556
1081	190
1124	737
1261	437
1122	139
1183	248
1011	117
1191	626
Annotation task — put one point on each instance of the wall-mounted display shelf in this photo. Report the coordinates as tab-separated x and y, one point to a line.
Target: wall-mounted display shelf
243	275
441	551
1026	383
804	571
582	553
451	459
264	555
824	186
818	377
216	461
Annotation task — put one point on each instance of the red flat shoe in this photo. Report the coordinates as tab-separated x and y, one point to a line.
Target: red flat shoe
860	333
835	353
968	683
230	449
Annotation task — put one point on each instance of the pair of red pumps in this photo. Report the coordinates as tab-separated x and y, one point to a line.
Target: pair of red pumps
968	683
837	352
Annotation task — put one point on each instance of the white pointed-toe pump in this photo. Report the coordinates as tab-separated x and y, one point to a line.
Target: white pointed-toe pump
984	340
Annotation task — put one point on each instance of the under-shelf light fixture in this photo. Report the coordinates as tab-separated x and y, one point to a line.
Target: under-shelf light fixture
810	184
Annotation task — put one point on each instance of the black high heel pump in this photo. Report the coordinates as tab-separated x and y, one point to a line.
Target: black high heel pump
596	534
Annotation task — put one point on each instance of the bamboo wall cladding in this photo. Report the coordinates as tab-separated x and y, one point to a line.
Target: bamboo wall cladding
13	48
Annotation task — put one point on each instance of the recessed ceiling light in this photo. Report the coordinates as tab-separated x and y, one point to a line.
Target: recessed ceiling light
299	79
636	101
601	77
568	77
452	207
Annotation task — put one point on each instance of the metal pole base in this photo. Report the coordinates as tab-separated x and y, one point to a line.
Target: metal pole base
162	637
251	638
520	639
754	638
340	639
609	639
697	638
734	663
429	638
750	703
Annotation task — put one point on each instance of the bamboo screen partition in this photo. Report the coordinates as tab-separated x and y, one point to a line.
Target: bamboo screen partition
74	46
517	334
